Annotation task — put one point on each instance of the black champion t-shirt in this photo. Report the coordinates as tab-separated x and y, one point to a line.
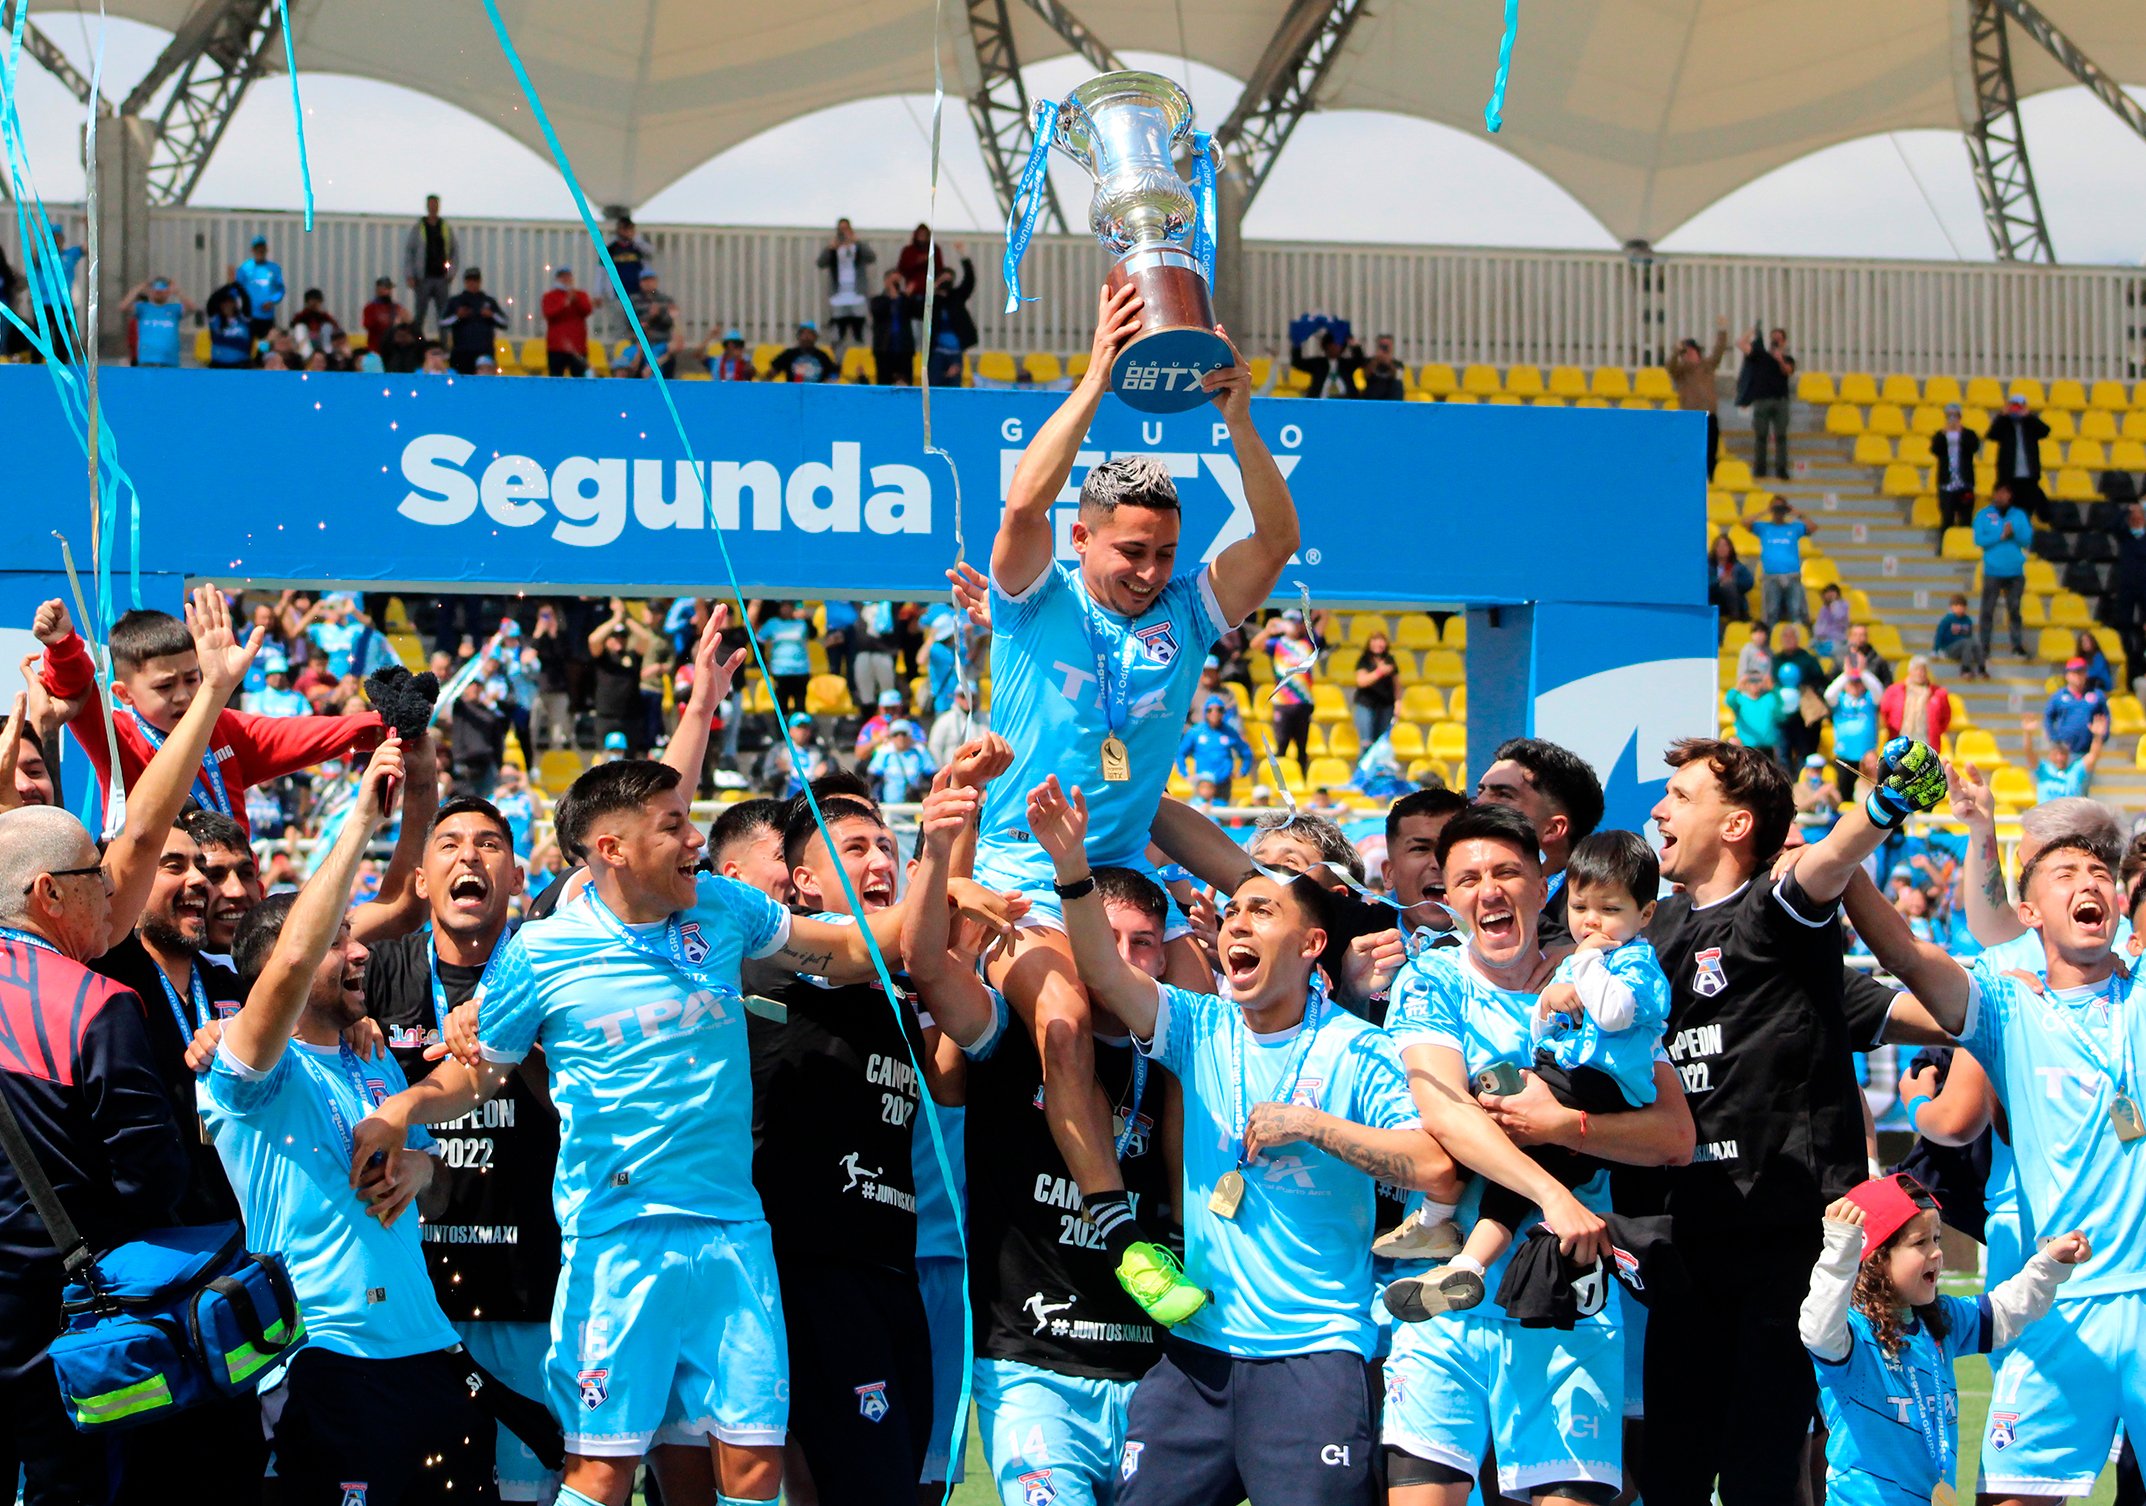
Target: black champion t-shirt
1044	1288
1758	1031
834	1107
494	1249
208	1198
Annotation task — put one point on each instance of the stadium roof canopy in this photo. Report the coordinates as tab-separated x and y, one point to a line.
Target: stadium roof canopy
1645	110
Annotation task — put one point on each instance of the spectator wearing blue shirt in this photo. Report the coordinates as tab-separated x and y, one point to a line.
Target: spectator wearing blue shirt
2073	711
942	670
2004	533
2099	676
1957	640
158	311
275	697
1781	563
262	282
1854	700
1213	750
1756	706
783	635
902	768
230	334
2059	772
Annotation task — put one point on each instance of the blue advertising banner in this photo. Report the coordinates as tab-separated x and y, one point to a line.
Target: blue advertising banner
269	477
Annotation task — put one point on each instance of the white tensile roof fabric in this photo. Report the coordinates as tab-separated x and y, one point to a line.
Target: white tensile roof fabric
1645	110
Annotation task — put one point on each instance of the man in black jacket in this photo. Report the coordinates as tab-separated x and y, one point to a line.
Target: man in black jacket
1953	448
953	331
2018	436
472	322
2129	614
894	333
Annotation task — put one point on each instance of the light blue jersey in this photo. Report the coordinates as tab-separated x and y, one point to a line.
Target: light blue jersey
1065	674
1893	1426
899	772
648	1058
285	1138
1626	1054
336	640
2058	1061
782	639
2053	783
1291	1273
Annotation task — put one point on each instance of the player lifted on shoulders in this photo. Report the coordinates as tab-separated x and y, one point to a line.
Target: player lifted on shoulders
1095	667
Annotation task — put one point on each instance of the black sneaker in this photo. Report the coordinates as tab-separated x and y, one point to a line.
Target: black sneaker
1412	1299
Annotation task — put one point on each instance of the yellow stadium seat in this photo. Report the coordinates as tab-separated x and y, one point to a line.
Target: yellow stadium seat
1926	420
1859	387
2067	395
1815	387
2138	759
1424	770
2041	575
2074	486
2034	610
1507	400
558	768
2108	396
2051	450
1342	741
1900	389
1547	400
1437	379
1610	381
2134	425
2098	425
1363	626
1985	392
1960	545
1457	705
1463	397
1747	546
996	366
1940	390
1328	774
599	359
202	350
1924	514
1043	367
828	695
2055	644
1844	419
1448	740
2128	455
763	353
2087	454
535	358
1415	630
1262	373
1443	667
1635	405
1592	402
1885	638
1721	509
1756	505
857	363
2068	609
1077	365
1886	418
1733	475
1977	747
2127	718
1524	381
1292	774
1407	740
1480	380
504	355
2062	425
1819	573
1328	704
1872	449
1455	633
1653	382
1568	381
2012	786
1902	481
1421	703
2030	389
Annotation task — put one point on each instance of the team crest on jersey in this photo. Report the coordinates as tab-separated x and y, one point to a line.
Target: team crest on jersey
1306	1095
1136	1143
376	1091
2002	1434
1036	1488
1129	1465
595	1387
1707	977
1159	641
1628	1269
872	1401
354	1492
692	944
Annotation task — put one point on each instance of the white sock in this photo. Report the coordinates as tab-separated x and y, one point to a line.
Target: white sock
1435	1213
1466	1262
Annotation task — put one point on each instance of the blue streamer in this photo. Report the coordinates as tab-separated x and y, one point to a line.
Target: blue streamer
298	114
958	1432
1028	199
1494	112
1203	198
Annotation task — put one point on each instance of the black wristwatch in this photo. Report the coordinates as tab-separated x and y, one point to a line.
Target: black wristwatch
1079	888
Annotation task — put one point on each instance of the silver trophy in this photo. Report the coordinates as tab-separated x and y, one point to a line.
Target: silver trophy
1122	128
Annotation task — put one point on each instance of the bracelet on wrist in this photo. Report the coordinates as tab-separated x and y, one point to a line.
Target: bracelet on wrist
1078	889
1915	1107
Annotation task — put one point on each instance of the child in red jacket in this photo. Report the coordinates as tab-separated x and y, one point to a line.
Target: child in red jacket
154	677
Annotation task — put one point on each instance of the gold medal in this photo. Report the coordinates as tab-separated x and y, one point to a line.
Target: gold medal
1941	1494
1228	1193
1117	762
2124	1116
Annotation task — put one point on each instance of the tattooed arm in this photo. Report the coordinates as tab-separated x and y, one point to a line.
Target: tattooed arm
1991	919
1397	1157
837	951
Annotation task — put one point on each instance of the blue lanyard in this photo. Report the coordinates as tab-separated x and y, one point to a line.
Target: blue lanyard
354	1070
1240	1110
671	954
29	939
1114	690
1935	1440
1132	1110
208	784
2119	1071
178	1009
439	989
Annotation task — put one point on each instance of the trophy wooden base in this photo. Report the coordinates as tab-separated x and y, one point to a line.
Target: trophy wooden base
1160	370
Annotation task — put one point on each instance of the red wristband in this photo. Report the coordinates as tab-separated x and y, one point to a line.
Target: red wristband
1583	1124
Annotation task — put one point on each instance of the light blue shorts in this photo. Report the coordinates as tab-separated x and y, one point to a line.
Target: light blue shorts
1552	1401
939	1281
1046	913
514	1353
1051	1439
2061	1390
668	1330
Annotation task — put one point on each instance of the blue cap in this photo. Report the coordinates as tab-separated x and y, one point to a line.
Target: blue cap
562	272
808	324
1216	701
800	719
1212	663
731	334
260	240
614	742
273	662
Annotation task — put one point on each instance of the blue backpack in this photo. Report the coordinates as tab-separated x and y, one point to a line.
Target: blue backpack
171	1320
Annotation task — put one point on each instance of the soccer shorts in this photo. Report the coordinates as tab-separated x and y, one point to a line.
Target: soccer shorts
345	1429
1551	1400
1051	1439
939	1279
668	1330
1209	1429
2061	1389
1046	913
514	1353
860	1379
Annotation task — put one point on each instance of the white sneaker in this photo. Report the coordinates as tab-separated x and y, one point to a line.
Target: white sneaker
1450	1288
1419	1238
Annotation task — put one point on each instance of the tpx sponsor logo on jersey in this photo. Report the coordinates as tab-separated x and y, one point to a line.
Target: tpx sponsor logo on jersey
872	1401
1159	641
595	1387
589	501
1707	978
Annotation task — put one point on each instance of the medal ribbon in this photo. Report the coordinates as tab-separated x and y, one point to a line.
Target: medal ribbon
1114	690
1934	1439
671	954
1203	197
1132	1110
29	939
2119	1072
355	1071
1240	1110
178	1010
208	784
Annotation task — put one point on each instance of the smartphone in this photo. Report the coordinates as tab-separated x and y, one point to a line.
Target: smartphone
1501	1081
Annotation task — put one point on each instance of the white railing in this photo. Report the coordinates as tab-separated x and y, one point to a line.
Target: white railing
1456	304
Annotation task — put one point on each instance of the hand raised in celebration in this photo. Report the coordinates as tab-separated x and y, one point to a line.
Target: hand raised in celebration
1059	823
1972	803
972	593
947	810
713	673
1372	961
224	659
977	762
52	625
1117	320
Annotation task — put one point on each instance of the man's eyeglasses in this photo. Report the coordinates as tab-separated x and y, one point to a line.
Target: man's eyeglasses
97	868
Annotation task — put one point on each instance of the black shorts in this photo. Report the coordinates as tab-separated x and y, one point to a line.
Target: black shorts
398	1432
860	1378
1207	1429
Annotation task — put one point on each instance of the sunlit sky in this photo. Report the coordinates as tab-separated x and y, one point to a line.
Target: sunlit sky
1346	175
